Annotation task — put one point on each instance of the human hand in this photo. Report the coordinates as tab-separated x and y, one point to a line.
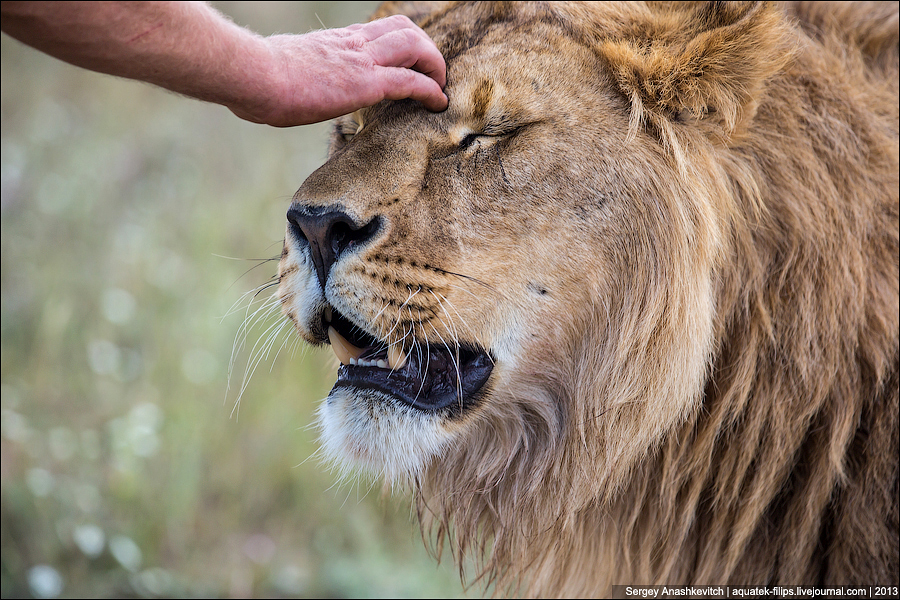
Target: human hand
324	74
191	49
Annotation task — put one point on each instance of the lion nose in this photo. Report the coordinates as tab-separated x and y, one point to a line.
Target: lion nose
329	234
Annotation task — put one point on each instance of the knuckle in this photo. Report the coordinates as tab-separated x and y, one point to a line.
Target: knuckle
356	41
407	38
400	20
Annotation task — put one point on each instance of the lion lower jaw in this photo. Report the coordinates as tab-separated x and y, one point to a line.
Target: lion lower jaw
372	431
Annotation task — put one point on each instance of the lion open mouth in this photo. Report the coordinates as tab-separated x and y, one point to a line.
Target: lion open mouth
428	378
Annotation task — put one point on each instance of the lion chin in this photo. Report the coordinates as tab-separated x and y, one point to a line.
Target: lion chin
373	430
627	311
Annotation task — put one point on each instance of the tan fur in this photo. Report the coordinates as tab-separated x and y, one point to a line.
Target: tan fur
677	234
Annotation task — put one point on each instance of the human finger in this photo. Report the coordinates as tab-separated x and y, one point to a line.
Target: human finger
399	32
375	29
405	49
399	83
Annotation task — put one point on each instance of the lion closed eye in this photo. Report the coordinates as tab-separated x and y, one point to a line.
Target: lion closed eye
627	311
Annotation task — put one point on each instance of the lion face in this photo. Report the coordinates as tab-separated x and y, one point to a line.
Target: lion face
504	257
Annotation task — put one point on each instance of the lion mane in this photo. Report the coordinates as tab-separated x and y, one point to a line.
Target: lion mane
659	242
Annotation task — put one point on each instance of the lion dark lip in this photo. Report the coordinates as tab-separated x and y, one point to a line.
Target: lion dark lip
434	376
430	380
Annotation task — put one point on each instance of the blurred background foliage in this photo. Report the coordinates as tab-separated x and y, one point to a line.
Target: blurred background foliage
133	221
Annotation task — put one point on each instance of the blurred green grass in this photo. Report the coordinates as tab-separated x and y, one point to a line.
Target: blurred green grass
124	471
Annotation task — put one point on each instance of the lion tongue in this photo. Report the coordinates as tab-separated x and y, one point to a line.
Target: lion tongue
349	354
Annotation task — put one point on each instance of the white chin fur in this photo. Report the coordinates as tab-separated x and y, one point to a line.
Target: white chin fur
375	432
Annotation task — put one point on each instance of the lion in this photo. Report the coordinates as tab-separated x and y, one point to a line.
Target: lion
627	311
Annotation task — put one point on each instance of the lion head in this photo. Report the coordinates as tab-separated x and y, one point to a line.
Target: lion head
629	302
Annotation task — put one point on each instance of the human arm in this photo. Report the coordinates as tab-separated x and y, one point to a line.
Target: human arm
191	49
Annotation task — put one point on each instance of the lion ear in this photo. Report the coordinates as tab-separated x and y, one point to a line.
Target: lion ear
706	62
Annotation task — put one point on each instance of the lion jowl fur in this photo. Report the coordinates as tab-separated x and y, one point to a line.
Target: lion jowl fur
627	311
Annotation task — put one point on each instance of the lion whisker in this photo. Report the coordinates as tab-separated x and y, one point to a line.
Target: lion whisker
287	339
426	363
451	328
252	294
260	350
470	278
261	313
454	358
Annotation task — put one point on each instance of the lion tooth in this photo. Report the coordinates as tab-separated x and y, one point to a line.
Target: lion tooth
396	357
328	314
344	349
